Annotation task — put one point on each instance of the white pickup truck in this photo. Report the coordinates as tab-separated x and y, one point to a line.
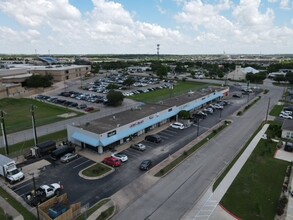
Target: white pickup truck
43	193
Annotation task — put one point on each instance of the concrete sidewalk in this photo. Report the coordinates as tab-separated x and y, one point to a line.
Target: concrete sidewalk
208	206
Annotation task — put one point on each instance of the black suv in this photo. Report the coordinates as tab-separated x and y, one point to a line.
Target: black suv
145	165
153	138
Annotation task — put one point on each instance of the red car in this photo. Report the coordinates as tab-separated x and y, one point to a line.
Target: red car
89	109
111	161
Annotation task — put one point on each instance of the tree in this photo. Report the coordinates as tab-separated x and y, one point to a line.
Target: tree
162	72
95	68
128	82
184	114
180	68
289	77
115	98
36	81
112	86
280	78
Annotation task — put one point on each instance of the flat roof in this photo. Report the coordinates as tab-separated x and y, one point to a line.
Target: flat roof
111	122
189	96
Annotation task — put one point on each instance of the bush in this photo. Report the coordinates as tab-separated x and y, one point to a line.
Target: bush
281	205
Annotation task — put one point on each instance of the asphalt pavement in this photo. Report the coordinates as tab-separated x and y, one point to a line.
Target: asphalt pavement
180	192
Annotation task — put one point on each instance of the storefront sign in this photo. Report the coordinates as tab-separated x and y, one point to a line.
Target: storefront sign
136	123
111	133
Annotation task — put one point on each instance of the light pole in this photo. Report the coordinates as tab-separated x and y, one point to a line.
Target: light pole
34	184
34	124
4	131
197	127
268	109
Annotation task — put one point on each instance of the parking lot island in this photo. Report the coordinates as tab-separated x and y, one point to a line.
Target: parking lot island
96	171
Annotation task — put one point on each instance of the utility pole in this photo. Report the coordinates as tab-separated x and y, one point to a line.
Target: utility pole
4	132
34	124
268	109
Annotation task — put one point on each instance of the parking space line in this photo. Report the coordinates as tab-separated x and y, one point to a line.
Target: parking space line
80	164
19	188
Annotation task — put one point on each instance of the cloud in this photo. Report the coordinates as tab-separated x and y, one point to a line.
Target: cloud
247	14
39	12
284	4
161	10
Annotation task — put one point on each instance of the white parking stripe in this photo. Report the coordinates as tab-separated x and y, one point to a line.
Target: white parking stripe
81	164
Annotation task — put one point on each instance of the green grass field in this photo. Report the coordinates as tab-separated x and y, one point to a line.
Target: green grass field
18	113
163	94
255	192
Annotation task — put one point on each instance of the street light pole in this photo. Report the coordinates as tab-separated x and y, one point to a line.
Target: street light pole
197	127
4	132
268	109
34	124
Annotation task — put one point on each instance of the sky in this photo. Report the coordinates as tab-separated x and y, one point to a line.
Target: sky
137	26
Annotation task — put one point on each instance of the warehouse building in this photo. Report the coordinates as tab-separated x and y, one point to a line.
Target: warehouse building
114	130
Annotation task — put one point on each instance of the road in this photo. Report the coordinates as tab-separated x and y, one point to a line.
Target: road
177	193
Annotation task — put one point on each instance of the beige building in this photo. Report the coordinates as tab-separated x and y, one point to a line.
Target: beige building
62	73
239	74
20	72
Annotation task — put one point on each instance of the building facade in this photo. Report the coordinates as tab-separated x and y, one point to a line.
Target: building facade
113	130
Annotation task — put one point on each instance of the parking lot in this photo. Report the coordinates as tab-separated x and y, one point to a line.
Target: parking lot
91	191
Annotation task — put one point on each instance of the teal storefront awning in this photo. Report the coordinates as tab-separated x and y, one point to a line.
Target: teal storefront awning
86	139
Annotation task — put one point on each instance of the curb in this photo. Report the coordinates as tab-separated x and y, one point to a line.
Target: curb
96	177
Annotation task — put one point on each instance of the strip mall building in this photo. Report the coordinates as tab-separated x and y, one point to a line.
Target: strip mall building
114	130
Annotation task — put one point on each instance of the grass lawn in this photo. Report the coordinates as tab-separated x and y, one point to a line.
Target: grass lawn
22	210
96	170
163	94
18	113
255	192
4	215
276	110
90	211
20	148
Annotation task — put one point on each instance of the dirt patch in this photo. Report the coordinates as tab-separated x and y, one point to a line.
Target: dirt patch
67	115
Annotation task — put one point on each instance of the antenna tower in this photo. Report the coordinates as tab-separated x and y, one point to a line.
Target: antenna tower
158	50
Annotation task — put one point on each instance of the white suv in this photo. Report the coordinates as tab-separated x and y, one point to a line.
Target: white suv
177	125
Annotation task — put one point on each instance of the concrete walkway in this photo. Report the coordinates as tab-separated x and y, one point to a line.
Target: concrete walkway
7	208
208	206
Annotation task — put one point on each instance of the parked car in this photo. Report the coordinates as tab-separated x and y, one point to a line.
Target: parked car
209	110
286	116
217	106
111	161
286	112
153	138
61	151
68	157
89	109
145	165
177	125
288	147
199	115
139	146
119	156
236	96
